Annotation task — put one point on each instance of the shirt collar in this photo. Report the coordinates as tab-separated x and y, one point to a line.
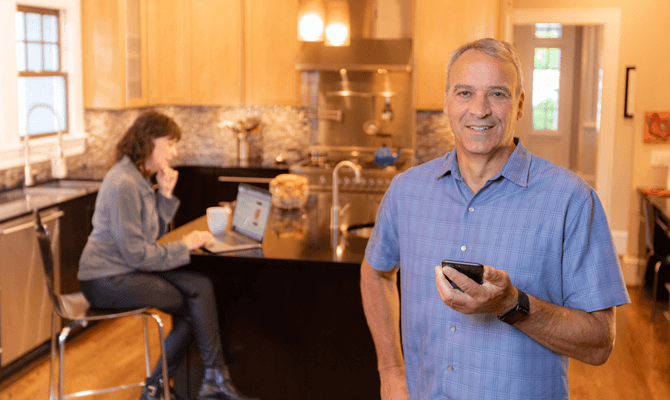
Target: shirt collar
132	171
516	168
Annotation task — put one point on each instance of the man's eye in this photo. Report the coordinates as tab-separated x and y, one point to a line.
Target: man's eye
463	93
499	94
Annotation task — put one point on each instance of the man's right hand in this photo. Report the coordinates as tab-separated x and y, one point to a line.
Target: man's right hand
393	384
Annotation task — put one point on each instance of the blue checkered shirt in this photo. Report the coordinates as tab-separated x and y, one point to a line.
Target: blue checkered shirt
538	222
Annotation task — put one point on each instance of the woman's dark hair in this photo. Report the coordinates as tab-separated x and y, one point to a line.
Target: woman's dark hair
137	142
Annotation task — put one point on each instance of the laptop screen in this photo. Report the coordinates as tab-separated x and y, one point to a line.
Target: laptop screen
252	211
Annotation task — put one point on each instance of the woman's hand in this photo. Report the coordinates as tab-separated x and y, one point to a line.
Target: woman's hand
166	179
197	239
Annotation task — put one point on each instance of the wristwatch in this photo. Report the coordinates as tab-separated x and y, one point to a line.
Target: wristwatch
519	311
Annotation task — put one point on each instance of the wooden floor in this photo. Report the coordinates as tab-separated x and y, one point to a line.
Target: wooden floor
639	367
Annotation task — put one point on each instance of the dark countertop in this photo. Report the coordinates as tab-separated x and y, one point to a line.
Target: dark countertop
22	201
301	235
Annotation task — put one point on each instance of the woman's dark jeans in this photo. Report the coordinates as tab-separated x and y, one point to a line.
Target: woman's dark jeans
187	296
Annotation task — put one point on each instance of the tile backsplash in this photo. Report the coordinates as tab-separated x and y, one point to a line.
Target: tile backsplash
208	140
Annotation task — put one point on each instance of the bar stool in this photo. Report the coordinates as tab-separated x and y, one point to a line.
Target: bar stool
77	309
663	257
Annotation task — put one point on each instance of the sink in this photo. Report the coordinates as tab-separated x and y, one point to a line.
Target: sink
361	230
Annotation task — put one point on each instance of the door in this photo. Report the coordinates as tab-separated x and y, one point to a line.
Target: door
549	64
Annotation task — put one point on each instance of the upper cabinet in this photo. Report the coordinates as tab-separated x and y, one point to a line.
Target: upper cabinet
115	53
193	52
269	52
441	27
170	51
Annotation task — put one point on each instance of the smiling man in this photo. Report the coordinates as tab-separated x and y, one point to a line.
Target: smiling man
551	275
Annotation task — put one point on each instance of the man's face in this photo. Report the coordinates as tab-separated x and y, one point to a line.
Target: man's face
481	103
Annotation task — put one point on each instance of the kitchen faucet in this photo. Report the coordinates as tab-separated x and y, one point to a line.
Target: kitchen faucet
58	166
335	208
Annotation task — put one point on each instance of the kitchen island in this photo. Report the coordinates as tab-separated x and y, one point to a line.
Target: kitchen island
291	316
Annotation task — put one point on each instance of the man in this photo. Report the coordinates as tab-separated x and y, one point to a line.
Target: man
552	277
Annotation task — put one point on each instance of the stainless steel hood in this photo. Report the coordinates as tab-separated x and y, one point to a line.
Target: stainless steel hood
381	37
360	55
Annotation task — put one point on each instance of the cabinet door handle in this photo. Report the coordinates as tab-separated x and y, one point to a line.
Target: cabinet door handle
238	179
27	225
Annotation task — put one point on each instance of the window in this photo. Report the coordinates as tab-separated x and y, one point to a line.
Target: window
548	31
546	79
42	81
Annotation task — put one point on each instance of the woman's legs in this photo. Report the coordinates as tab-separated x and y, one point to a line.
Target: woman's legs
146	290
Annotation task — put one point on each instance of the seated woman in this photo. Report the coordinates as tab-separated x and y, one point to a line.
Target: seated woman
123	267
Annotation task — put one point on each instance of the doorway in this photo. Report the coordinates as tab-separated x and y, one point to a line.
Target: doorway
563	80
610	20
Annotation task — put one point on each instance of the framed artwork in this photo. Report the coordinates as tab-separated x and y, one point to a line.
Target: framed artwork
629	98
657	127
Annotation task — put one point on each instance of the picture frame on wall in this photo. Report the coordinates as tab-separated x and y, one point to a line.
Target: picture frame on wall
629	98
657	127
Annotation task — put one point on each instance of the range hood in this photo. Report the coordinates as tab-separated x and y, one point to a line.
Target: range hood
360	55
381	37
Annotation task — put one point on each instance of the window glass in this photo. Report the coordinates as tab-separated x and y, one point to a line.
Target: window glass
42	90
20	26
34	57
34	25
546	83
21	56
548	31
51	57
41	79
50	24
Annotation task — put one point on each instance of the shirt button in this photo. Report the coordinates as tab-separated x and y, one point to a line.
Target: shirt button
453	329
471	209
463	248
450	368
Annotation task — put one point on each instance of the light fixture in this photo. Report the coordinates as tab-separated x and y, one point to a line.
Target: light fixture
310	20
338	25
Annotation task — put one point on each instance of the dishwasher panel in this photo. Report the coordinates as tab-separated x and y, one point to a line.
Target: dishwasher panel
25	308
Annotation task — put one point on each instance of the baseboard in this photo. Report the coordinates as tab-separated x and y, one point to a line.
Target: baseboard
633	269
620	239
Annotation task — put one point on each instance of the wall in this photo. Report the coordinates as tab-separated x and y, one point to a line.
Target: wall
207	141
643	40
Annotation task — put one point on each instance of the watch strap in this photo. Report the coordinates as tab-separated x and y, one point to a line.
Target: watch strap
519	311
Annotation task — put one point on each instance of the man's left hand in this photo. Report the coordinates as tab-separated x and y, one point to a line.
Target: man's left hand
496	295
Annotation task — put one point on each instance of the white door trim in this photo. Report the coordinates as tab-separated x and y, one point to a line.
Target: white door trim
610	18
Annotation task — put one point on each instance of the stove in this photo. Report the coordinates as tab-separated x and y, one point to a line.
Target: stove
318	169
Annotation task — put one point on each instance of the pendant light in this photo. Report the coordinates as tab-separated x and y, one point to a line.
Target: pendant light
338	25
311	20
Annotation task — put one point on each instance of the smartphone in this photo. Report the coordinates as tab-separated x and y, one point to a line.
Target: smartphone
474	271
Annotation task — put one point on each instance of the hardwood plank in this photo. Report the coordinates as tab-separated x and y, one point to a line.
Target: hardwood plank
638	368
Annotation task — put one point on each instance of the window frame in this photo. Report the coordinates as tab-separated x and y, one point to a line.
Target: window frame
41	146
43	73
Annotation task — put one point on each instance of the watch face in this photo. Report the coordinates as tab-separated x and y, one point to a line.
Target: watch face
518	312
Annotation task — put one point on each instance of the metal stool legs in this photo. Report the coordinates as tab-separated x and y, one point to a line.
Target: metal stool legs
62	337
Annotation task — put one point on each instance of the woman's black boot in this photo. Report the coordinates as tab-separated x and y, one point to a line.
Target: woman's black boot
216	385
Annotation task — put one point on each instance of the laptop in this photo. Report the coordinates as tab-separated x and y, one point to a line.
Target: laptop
250	219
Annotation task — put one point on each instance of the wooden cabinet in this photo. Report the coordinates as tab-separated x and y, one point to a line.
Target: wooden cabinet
270	40
441	27
115	53
169	51
196	52
216	45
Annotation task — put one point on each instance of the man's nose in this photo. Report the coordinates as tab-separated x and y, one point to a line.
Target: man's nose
480	106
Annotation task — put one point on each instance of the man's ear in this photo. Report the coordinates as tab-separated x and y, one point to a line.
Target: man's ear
522	98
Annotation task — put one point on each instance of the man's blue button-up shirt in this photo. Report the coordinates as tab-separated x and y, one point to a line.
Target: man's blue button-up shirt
538	222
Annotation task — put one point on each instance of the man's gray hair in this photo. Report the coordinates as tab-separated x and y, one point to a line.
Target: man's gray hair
495	48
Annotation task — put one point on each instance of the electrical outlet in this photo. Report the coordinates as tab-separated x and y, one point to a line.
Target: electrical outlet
660	158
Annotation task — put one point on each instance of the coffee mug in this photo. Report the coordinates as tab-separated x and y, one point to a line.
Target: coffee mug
217	219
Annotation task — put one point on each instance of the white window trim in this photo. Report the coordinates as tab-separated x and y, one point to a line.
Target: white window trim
41	149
